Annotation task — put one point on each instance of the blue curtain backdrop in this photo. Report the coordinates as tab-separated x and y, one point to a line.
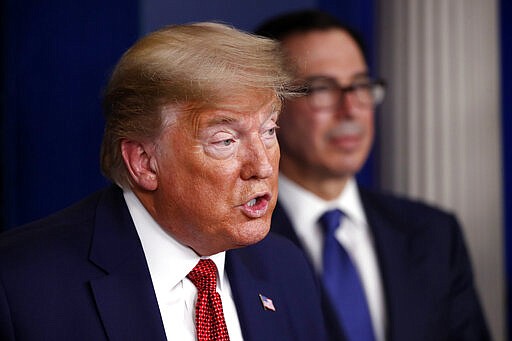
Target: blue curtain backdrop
57	56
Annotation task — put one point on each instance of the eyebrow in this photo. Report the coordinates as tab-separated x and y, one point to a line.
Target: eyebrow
220	120
227	119
364	74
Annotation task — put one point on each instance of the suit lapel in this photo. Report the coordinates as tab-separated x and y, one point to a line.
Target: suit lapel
248	281
281	224
397	263
124	296
397	268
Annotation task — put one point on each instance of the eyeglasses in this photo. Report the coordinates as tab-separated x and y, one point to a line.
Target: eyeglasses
326	93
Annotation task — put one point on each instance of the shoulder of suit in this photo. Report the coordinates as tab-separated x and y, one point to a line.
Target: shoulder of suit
52	228
275	250
274	243
411	216
395	201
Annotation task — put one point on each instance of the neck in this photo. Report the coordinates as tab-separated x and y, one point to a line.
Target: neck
325	187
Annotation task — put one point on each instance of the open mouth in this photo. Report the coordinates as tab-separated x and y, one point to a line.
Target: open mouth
257	206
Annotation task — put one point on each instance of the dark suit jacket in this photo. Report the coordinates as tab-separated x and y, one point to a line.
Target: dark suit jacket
81	275
425	269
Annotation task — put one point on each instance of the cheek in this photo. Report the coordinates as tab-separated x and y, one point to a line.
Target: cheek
274	153
224	172
216	179
193	179
205	197
296	127
368	121
274	157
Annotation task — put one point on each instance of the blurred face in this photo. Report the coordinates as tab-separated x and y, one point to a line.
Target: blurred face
321	143
217	175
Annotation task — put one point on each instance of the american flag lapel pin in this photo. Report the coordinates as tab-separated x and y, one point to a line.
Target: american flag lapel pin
267	303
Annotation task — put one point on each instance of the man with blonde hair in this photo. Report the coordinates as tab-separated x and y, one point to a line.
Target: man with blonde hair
177	248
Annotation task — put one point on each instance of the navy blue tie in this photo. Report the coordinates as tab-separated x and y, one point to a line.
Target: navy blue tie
342	283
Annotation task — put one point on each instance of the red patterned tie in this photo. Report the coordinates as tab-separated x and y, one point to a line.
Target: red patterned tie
210	323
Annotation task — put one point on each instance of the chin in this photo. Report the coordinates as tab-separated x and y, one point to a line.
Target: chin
349	166
252	233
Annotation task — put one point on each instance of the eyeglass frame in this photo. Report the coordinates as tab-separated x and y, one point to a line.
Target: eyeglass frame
376	88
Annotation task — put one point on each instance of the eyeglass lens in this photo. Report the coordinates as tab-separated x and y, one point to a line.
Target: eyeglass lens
325	92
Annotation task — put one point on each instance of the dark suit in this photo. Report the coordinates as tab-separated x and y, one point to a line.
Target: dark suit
425	269
81	275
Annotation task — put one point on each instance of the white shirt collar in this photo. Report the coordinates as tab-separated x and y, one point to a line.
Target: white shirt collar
350	203
308	207
304	209
168	260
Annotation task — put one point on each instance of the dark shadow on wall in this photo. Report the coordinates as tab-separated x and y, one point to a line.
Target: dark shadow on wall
56	58
506	102
3	95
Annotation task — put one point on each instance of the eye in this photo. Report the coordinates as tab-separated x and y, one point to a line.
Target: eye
321	84
270	131
321	88
223	141
269	136
362	85
221	145
226	142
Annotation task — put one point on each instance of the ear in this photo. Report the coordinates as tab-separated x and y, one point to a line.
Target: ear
138	161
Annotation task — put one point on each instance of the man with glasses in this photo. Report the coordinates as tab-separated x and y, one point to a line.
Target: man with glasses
391	268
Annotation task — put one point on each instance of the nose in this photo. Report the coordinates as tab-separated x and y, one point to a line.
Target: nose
346	105
257	160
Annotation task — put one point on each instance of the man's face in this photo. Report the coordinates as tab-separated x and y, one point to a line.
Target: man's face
217	175
325	143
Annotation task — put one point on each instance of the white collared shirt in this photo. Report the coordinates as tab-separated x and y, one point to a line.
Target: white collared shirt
169	263
305	208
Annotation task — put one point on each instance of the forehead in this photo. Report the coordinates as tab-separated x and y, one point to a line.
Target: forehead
239	108
330	53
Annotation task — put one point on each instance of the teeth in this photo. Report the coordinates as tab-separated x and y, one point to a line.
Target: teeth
251	203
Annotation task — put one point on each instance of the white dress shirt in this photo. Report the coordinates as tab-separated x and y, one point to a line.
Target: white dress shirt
169	263
305	208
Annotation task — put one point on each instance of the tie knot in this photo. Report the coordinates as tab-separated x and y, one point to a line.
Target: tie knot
330	221
204	275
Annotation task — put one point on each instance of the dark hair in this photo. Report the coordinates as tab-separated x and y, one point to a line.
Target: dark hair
303	21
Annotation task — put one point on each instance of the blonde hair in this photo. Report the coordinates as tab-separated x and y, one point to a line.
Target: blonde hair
193	67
